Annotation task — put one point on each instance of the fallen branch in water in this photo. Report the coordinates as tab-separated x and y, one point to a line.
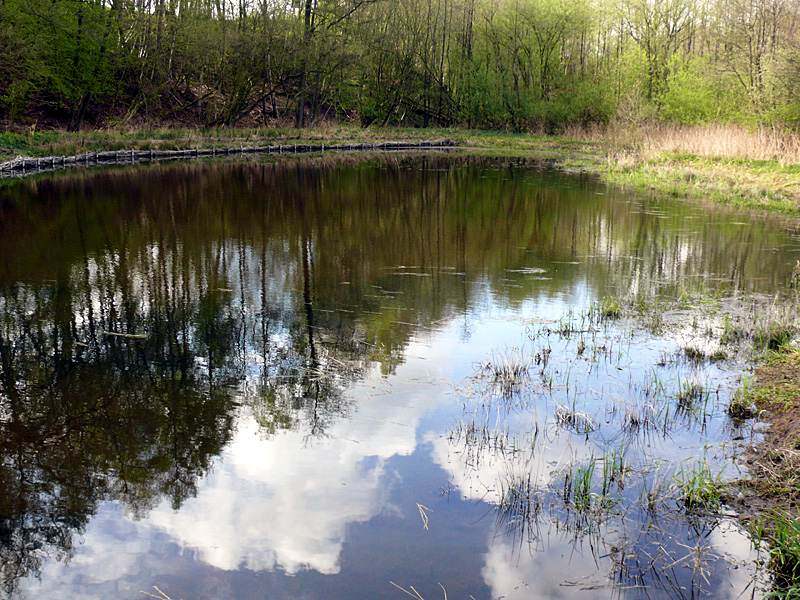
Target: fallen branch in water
134	336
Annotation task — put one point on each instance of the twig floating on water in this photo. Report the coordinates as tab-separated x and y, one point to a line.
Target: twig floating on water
133	336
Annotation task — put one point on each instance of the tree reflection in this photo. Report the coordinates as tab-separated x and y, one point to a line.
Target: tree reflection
142	313
120	379
89	417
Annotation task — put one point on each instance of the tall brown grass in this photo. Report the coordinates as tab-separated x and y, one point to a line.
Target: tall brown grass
706	141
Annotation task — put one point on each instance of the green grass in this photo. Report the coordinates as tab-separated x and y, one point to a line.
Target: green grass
691	395
610	308
741	407
774	335
577	487
745	184
784	553
776	393
699	489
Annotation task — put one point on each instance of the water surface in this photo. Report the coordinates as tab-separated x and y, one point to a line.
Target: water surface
275	380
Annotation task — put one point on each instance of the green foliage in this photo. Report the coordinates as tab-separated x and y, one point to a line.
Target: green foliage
741	406
609	308
538	65
699	488
695	95
577	487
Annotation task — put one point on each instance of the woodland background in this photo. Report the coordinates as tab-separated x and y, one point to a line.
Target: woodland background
520	65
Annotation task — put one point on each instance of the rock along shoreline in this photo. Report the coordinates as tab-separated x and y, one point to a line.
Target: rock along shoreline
24	166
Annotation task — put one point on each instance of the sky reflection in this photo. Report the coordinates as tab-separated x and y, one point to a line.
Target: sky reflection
264	398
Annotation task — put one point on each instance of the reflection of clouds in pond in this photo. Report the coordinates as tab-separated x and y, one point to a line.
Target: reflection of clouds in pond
277	504
513	574
286	502
598	569
283	503
735	545
115	555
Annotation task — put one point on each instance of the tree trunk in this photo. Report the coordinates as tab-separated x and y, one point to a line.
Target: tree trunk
76	117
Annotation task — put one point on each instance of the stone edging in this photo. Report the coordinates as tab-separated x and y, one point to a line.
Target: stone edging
23	166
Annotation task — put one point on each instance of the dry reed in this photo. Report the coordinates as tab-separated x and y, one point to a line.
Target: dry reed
732	142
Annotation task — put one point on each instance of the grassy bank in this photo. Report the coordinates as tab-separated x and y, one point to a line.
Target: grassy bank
60	143
720	164
772	490
775	465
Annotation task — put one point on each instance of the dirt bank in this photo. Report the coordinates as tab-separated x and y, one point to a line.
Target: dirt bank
773	484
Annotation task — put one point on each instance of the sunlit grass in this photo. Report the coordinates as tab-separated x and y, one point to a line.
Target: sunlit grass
699	488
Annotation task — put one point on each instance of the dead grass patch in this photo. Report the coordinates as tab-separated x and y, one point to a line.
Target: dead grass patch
774	464
647	141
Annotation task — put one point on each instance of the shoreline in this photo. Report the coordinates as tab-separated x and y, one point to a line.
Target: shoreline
773	483
768	185
23	166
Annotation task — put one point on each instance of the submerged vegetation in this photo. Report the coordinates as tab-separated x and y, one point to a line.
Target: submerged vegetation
572	402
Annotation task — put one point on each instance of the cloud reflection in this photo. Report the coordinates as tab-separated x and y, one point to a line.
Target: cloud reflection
286	502
279	504
554	553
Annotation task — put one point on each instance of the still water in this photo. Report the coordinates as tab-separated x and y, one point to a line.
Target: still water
347	378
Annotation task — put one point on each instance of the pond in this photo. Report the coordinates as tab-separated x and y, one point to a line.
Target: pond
373	377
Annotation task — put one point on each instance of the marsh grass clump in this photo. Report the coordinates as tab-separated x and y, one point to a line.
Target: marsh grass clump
478	440
699	489
577	487
573	420
769	328
571	323
506	370
731	333
784	555
640	417
615	468
608	308
695	355
773	335
740	407
698	356
691	398
718	355
520	504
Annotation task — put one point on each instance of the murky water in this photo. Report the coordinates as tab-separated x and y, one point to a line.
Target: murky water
366	379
